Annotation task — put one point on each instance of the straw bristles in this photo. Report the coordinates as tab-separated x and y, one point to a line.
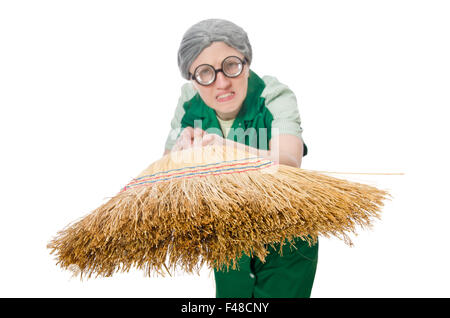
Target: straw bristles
185	214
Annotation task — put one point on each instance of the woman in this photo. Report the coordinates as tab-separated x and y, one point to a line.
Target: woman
226	102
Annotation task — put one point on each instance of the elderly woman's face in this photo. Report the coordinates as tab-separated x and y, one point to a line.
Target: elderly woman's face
225	95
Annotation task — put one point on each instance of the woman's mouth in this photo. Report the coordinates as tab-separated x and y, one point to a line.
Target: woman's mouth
225	97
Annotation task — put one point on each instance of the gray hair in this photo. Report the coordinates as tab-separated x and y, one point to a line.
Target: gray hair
203	34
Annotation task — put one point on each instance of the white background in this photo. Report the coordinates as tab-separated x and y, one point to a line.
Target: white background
88	89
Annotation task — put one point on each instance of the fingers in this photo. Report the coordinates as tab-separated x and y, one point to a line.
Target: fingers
198	135
208	139
186	138
183	140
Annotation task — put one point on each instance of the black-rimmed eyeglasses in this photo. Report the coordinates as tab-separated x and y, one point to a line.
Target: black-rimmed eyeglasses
206	74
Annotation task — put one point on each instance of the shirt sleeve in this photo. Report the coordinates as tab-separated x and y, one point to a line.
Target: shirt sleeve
282	104
187	92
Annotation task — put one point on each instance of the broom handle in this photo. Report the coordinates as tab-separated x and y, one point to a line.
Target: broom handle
369	173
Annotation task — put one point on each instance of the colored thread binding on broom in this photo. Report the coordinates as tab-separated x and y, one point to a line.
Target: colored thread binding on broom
217	168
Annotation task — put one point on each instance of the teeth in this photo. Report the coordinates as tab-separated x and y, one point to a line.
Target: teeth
225	95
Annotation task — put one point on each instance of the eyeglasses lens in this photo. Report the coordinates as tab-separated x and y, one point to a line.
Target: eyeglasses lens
205	74
231	67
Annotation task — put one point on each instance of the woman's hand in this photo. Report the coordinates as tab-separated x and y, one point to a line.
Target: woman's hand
196	137
285	149
185	139
213	139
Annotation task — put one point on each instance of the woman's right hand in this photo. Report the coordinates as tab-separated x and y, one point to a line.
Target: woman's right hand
189	137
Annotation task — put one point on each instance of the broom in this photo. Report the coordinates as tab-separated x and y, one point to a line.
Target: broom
208	206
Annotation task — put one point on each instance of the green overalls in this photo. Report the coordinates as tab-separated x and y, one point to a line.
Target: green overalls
268	104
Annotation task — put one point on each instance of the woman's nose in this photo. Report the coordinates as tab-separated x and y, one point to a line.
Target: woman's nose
222	81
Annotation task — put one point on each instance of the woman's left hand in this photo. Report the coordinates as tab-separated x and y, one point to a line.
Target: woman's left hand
212	139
